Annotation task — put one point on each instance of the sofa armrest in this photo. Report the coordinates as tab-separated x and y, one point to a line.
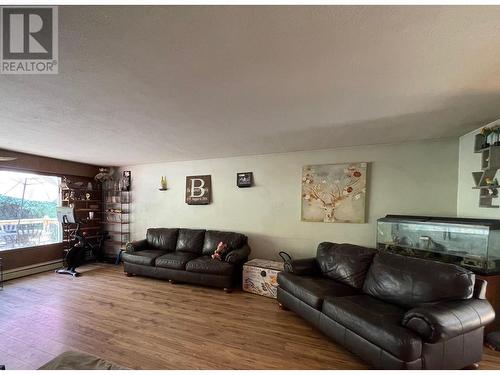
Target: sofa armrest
444	320
303	267
238	256
480	288
132	247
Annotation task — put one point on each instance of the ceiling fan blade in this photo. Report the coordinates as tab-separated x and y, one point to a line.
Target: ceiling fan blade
7	158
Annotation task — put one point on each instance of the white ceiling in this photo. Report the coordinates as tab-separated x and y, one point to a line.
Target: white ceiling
149	84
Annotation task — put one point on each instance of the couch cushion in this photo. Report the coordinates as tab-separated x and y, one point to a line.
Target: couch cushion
176	260
313	290
345	262
408	282
190	240
377	321
162	238
213	237
143	257
206	264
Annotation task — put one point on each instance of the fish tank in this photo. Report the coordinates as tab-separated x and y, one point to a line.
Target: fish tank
471	243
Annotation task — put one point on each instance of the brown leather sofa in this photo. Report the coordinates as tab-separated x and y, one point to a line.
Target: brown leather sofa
394	312
184	255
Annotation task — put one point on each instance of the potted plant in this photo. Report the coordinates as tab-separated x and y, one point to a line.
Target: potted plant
496	131
485	132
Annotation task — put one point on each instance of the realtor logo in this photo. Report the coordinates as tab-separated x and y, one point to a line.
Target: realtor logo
29	40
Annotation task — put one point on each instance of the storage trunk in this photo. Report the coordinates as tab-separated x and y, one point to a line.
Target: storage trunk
260	276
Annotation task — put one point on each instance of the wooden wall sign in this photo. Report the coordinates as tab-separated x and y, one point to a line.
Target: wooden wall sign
198	189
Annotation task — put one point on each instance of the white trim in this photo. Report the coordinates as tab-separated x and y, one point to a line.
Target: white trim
31	269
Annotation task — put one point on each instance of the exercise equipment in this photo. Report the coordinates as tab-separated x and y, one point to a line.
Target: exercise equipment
75	256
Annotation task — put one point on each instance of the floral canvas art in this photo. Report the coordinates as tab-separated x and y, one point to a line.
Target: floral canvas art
334	193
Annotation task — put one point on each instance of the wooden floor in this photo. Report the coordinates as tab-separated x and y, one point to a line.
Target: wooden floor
143	323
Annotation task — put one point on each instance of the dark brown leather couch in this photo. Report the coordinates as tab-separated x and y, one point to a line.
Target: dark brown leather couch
184	255
394	312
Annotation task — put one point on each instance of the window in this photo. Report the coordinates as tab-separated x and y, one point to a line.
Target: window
28	204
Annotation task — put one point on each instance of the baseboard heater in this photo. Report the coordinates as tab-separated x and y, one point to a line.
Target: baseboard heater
32	269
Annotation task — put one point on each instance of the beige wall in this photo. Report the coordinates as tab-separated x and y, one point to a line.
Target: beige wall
468	198
411	178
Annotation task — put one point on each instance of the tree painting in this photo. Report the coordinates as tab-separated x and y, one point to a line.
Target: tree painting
334	193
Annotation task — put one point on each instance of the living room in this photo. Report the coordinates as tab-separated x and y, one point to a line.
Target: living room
249	187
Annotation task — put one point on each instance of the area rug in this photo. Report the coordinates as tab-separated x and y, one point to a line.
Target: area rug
71	360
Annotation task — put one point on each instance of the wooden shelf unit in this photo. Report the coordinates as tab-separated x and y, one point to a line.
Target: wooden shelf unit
83	227
74	196
493	297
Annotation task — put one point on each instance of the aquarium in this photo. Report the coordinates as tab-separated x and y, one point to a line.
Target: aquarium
470	243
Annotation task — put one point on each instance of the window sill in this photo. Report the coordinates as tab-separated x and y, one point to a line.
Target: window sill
39	247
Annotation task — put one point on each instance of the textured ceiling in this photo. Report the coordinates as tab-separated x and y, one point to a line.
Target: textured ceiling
149	84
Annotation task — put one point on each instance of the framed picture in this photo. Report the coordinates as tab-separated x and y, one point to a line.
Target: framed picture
126	180
199	189
244	179
334	193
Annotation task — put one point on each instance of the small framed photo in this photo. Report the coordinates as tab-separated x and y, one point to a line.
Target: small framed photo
125	182
244	179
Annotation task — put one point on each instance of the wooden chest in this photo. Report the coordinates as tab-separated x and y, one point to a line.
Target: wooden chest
260	276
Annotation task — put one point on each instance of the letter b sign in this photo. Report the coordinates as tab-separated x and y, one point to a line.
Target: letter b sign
198	189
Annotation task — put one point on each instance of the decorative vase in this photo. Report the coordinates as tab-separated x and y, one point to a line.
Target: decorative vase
163	183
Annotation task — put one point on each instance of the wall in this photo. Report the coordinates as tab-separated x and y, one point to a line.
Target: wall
468	198
411	178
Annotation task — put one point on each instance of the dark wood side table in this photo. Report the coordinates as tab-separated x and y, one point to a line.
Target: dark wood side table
493	297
